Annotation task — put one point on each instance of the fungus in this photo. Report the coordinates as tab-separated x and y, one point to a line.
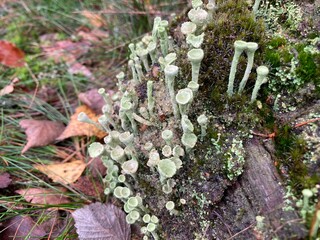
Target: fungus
166	169
151	101
203	122
167	60
194	87
167	136
186	124
314	229
126	138
146	218
143	54
133	71
130	167
154	158
120	77
250	50
189	140
262	72
195	56
118	155
195	41
152	46
170	207
163	40
239	46
166	151
198	16
171	72
178	151
95	149
188	28
183	98
151	227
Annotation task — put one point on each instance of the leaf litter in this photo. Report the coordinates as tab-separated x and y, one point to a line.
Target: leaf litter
101	221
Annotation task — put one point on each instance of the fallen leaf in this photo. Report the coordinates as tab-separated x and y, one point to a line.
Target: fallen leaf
93	100
5	180
96	167
78	68
95	35
66	51
40	132
89	187
101	221
22	227
65	173
43	196
76	128
9	88
10	55
95	19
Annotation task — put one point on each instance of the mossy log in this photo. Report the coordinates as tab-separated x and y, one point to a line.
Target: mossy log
258	192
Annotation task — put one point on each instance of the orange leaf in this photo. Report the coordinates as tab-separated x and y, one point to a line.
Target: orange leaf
43	196
10	55
76	128
65	173
40	132
95	19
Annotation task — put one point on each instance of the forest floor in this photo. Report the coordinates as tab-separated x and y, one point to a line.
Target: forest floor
57	54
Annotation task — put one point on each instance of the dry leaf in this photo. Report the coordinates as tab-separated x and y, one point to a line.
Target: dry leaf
96	167
96	35
90	187
43	196
95	19
93	100
10	55
78	68
9	88
5	180
101	221
76	128
22	227
65	173
40	132
66	51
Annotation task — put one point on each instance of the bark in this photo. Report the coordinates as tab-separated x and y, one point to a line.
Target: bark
258	192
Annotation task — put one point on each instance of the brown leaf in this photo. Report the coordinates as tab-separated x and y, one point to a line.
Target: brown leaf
65	173
93	100
96	167
89	187
10	55
76	128
5	180
66	51
40	132
101	221
96	35
43	196
22	227
9	88
95	19
78	68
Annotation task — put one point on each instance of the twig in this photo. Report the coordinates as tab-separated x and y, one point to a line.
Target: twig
243	230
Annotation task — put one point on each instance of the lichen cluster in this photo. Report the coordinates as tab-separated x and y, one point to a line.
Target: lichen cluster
153	130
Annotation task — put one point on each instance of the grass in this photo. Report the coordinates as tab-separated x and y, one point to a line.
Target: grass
24	22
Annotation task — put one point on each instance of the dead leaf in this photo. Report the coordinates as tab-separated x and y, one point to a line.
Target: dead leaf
76	128
9	88
64	173
101	221
22	227
43	196
10	55
93	100
66	51
95	35
97	168
90	187
5	180
78	68
95	19
40	132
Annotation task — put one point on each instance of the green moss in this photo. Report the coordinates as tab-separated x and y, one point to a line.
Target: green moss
290	150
